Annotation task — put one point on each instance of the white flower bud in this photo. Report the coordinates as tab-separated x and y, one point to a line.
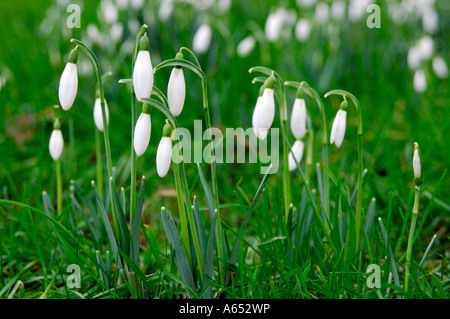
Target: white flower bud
142	133
68	86
164	156
202	39
440	67
143	75
176	91
56	144
297	153
338	128
298	118
416	162
98	118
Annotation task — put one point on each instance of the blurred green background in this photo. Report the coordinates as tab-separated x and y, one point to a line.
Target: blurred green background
328	45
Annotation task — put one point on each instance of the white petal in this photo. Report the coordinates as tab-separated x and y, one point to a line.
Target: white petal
340	130
142	134
416	164
56	144
68	86
98	118
143	75
266	112
298	118
297	153
202	39
255	116
246	46
420	81
164	156
302	30
176	91
440	67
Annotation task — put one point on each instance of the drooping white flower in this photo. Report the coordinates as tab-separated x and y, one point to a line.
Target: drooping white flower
297	153
338	9
425	47
176	89
420	81
142	133
338	128
302	30
68	83
440	67
56	142
164	156
298	118
143	71
416	162
98	118
413	58
274	24
430	20
322	12
202	39
255	116
246	46
266	111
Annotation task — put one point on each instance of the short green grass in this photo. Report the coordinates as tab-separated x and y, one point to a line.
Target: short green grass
275	259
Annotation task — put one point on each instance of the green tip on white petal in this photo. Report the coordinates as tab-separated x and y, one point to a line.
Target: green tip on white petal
144	43
270	82
73	56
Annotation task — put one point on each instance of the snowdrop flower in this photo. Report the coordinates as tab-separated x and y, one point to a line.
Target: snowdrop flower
68	84
137	4
322	12
143	71
338	10
142	131
165	10
420	81
98	118
202	39
164	152
440	67
109	11
413	58
416	162
246	46
339	123
302	30
425	47
116	32
297	153
176	89
274	24
298	117
306	3
56	143
430	20
255	127
266	108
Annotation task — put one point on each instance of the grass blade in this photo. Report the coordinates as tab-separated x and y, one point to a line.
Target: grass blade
135	228
121	221
179	252
391	255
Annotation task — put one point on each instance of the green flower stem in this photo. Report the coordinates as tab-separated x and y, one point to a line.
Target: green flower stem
98	73
98	158
281	97
310	152
346	94
412	229
183	194
181	206
215	190
325	178
134	106
58	187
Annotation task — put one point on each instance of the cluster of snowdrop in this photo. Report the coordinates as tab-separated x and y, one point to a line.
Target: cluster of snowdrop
418	57
143	79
